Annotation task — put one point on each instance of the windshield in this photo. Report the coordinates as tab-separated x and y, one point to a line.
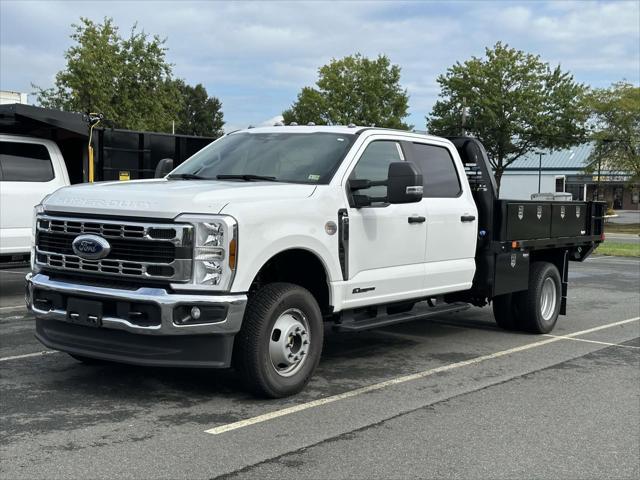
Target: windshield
282	157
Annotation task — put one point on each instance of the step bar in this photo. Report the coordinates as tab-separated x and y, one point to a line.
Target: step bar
420	311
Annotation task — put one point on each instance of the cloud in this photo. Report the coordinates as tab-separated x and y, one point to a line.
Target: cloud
271	121
255	56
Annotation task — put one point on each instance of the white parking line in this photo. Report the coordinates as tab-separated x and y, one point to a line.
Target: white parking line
13	307
592	341
28	355
399	380
15	273
612	259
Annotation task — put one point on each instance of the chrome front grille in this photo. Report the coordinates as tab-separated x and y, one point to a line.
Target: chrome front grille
73	262
109	229
144	250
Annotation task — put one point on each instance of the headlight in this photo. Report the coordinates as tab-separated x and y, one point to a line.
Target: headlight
215	249
37	210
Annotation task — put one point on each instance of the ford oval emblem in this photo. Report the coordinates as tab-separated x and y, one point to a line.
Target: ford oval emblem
91	247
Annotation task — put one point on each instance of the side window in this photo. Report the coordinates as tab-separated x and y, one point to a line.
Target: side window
25	162
439	175
374	165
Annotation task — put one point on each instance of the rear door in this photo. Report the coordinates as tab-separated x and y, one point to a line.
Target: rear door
451	214
29	170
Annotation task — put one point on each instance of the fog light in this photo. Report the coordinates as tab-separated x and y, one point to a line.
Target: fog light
199	314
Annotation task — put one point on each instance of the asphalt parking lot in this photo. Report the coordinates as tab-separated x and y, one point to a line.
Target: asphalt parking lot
447	397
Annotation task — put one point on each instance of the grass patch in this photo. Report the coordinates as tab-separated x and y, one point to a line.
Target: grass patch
622	228
618	249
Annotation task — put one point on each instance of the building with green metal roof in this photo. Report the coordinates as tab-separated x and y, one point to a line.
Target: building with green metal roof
564	171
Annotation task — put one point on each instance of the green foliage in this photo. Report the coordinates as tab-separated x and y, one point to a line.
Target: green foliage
130	82
616	128
515	103
199	114
618	249
356	90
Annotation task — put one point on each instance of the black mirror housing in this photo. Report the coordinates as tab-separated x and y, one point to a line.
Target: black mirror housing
404	183
163	168
360	201
357	184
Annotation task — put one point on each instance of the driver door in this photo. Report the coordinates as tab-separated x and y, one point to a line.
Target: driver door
387	242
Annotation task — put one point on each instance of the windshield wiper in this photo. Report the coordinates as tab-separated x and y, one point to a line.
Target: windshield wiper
186	176
246	177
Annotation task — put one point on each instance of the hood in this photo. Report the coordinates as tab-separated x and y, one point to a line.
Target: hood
160	198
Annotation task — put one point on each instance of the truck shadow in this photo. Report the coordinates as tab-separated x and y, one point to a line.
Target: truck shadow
78	395
348	360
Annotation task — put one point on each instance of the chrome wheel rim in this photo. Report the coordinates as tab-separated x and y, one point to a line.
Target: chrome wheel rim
548	299
289	342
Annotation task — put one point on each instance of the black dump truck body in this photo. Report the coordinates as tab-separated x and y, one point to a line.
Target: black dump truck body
118	154
514	233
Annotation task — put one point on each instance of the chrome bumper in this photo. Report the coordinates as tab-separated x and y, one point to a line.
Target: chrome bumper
235	304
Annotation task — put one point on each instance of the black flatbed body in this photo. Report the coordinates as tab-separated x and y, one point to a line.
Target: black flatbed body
514	233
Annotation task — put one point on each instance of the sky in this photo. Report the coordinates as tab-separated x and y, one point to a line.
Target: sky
256	56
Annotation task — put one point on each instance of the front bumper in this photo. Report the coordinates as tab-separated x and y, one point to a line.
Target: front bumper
155	342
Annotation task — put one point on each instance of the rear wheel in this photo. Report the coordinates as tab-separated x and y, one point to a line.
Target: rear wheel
278	348
538	308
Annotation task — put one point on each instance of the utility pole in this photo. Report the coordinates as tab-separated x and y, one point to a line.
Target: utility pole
599	177
540	154
464	115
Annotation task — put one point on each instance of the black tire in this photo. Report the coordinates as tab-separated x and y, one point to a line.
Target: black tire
504	313
251	350
529	304
87	360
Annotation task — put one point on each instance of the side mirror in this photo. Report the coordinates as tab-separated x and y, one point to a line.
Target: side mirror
404	184
163	168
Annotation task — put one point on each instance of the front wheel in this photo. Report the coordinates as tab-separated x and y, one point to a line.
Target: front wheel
279	345
539	307
87	360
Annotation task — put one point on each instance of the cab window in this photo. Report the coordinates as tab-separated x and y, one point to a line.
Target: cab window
25	162
439	175
374	165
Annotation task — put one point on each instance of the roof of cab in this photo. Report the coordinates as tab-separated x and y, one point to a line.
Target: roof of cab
339	129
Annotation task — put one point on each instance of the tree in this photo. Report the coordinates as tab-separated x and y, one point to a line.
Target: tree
126	79
353	89
616	129
198	113
513	102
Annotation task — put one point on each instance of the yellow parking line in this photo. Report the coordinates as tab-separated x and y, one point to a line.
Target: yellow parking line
592	341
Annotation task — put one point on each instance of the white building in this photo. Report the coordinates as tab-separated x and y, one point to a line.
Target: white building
564	171
7	96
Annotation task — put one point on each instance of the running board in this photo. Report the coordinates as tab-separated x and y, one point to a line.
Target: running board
420	311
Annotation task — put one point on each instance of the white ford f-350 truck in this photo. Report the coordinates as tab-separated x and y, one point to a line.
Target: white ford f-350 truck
241	254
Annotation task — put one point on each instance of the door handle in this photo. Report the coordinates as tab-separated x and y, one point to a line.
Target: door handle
416	219
467	218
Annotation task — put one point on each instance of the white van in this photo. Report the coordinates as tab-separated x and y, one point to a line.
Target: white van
30	169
